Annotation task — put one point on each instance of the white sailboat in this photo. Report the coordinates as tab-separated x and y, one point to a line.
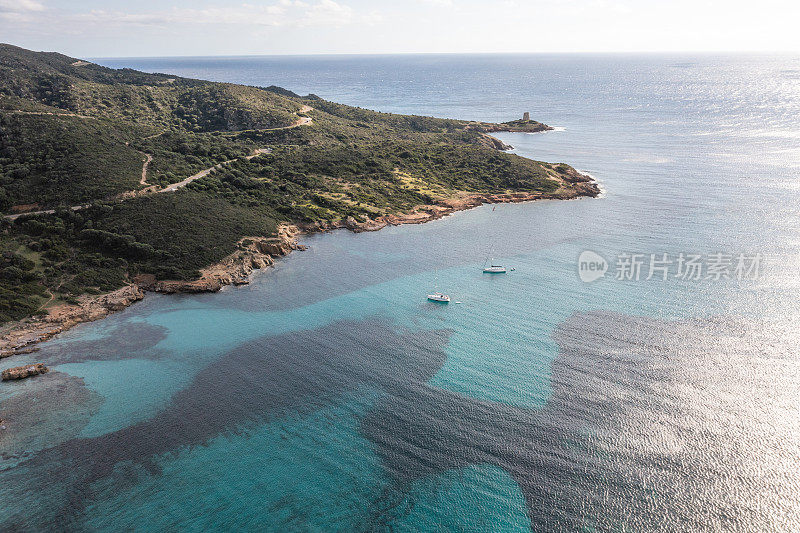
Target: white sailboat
437	296
494	269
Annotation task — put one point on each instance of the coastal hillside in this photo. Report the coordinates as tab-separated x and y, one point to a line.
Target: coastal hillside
109	177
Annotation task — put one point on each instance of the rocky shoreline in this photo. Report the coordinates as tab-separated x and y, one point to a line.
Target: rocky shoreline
20	337
255	253
579	185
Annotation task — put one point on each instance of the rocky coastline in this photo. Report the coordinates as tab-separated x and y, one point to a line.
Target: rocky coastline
20	337
252	253
580	185
256	253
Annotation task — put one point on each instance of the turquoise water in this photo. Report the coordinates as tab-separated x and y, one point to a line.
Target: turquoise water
330	395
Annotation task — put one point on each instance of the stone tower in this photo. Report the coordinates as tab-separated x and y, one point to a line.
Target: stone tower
526	116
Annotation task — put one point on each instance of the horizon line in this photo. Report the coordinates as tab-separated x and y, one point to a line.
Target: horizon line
379	54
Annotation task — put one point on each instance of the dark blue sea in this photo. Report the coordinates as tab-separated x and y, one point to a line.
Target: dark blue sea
329	395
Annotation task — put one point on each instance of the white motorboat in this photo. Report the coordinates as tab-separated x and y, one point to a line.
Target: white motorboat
439	297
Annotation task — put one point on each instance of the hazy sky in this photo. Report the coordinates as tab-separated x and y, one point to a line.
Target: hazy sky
105	28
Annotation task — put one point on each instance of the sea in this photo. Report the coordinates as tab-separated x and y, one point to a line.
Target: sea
637	370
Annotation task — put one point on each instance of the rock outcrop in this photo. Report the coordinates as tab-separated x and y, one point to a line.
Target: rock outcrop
18	351
22	372
494	142
521	126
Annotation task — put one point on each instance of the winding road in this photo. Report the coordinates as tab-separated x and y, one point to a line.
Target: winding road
147	160
52	113
202	174
301	121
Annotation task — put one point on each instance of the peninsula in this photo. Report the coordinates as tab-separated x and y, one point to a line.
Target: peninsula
114	182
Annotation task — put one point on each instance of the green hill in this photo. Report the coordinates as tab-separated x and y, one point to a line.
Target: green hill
75	133
47	160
